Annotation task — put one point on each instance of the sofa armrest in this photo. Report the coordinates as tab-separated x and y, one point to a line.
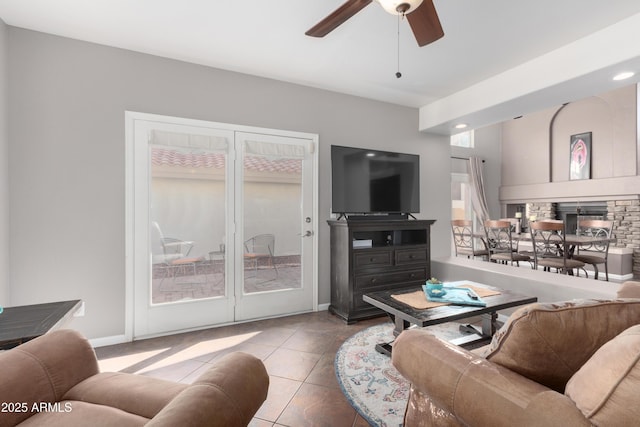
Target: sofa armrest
228	394
43	370
629	289
474	390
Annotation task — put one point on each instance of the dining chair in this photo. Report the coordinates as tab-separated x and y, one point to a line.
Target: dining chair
550	249
515	222
502	248
465	241
597	252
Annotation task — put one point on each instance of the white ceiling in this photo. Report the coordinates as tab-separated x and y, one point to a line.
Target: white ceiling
483	39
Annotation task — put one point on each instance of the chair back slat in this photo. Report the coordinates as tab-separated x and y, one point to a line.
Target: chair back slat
464	240
547	238
462	233
596	228
498	236
597	252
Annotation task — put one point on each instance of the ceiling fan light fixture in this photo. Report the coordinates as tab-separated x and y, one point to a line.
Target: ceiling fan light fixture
400	7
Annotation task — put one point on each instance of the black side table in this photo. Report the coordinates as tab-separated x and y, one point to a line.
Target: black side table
23	323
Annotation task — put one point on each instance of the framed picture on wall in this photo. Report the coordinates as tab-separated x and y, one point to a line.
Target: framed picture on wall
580	156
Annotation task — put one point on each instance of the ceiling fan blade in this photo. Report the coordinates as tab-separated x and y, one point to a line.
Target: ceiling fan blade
337	17
425	24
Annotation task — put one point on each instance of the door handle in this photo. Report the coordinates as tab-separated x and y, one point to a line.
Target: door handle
308	233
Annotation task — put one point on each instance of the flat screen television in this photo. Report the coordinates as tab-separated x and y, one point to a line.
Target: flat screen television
365	181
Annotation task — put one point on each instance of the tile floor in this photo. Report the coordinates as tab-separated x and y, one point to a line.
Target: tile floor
298	352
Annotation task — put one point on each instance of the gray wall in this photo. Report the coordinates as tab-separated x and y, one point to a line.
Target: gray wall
4	170
67	101
535	160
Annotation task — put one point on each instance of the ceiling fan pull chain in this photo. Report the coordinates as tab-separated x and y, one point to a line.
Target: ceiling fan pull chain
398	73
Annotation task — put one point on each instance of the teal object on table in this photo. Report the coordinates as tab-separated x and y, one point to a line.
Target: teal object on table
434	289
452	295
1	309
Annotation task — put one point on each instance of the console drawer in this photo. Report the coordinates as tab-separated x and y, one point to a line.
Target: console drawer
411	256
368	281
372	259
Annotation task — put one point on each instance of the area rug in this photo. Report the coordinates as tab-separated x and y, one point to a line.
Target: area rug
368	379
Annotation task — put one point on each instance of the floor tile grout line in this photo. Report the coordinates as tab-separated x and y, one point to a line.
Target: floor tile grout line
316	330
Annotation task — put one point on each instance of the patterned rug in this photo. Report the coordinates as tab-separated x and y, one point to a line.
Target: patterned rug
368	379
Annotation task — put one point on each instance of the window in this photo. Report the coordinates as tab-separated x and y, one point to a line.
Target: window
464	139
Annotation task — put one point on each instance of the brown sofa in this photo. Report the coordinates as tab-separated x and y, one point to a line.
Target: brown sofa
567	364
54	381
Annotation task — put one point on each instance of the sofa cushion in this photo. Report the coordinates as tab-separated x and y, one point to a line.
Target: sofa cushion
606	388
548	343
123	391
227	394
72	413
42	370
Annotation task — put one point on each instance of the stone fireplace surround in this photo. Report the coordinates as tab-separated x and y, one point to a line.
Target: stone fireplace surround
624	213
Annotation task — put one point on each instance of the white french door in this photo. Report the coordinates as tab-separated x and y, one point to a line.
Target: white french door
275	209
220	223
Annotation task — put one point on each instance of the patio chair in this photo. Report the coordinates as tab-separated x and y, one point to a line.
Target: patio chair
595	253
465	241
175	252
260	247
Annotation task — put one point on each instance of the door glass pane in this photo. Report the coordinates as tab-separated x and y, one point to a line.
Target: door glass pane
272	213
187	224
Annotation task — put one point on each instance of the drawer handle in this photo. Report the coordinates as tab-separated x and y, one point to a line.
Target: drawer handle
411	256
374	280
413	275
372	259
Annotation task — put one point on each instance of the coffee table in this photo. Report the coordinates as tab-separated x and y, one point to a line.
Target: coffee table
404	315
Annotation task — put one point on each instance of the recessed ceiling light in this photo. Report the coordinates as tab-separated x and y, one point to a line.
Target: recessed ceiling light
461	125
623	76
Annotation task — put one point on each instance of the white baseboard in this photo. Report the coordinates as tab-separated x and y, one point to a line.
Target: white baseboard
619	277
105	341
119	339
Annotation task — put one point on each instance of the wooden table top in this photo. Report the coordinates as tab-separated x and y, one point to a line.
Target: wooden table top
444	313
23	323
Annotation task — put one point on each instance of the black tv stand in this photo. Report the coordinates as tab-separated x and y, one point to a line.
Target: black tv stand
368	256
376	217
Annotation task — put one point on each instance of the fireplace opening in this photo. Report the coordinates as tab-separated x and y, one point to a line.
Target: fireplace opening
568	212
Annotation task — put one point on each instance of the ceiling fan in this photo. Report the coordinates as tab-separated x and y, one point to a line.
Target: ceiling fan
421	14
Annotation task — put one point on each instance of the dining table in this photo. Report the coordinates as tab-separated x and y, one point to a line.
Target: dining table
571	240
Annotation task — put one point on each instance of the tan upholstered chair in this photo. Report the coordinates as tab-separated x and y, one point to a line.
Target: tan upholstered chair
567	364
59	372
